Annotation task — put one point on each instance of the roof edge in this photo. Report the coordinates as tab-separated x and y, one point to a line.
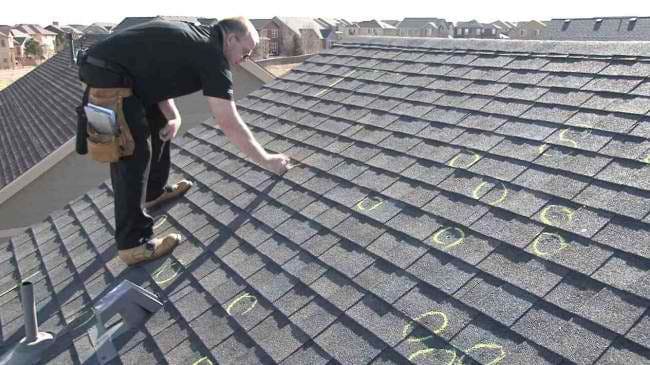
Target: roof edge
586	48
36	171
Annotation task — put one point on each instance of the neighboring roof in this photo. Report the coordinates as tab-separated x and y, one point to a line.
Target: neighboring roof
453	198
34	29
105	25
78	27
37	114
54	29
418	23
504	25
296	24
334	22
375	24
470	24
394	23
602	29
260	23
95	29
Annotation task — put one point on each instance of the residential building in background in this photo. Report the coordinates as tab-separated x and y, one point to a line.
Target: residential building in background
532	29
7	55
376	28
425	27
45	38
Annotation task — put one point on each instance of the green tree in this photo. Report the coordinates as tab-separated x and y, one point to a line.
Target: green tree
33	48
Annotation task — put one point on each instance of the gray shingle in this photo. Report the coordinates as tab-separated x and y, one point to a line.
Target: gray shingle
443	273
526	272
507	227
349	343
573	339
500	301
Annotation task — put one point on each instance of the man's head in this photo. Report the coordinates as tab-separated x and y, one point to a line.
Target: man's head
239	39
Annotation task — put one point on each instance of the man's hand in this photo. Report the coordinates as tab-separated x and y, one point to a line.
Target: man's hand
170	129
278	163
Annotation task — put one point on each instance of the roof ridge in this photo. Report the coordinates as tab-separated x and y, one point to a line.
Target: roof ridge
587	48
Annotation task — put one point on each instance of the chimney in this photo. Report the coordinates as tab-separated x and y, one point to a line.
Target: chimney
56	24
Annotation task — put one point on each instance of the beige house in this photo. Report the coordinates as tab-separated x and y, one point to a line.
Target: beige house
44	37
376	28
533	29
7	56
425	27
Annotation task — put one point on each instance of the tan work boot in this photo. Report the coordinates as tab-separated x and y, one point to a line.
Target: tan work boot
151	250
170	192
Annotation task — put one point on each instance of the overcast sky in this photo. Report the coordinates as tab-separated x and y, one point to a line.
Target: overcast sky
89	11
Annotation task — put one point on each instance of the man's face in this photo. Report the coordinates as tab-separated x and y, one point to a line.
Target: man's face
238	48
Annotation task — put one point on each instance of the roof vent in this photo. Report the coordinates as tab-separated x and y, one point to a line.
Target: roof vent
35	343
565	26
598	23
631	24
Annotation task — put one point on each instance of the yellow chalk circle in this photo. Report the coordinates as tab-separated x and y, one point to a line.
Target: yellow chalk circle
486	346
477	190
646	159
550	236
438	238
175	267
551	217
425	352
475	157
563	138
252	304
373	205
203	361
443	326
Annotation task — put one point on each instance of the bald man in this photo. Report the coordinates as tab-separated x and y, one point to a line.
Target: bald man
147	66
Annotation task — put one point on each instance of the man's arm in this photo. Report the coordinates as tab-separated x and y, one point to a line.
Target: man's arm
169	110
227	117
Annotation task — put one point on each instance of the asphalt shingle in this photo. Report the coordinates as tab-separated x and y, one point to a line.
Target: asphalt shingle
483	198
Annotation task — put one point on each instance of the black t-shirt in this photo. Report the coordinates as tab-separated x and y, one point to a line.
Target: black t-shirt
169	59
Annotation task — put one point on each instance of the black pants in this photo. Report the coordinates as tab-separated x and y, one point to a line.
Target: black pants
142	176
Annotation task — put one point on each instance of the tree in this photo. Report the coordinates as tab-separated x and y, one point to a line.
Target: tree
33	48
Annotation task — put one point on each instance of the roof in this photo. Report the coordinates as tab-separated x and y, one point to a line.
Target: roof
375	24
296	24
391	22
418	23
104	25
95	29
260	23
79	27
603	29
334	22
470	24
454	199
37	114
34	29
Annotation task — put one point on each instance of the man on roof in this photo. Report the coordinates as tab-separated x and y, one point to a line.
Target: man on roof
137	72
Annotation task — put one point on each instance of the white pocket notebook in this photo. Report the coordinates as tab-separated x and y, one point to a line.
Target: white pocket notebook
103	120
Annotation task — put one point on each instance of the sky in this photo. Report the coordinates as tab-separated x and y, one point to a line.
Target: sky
86	12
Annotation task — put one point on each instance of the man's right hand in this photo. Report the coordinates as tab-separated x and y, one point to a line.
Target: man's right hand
278	163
